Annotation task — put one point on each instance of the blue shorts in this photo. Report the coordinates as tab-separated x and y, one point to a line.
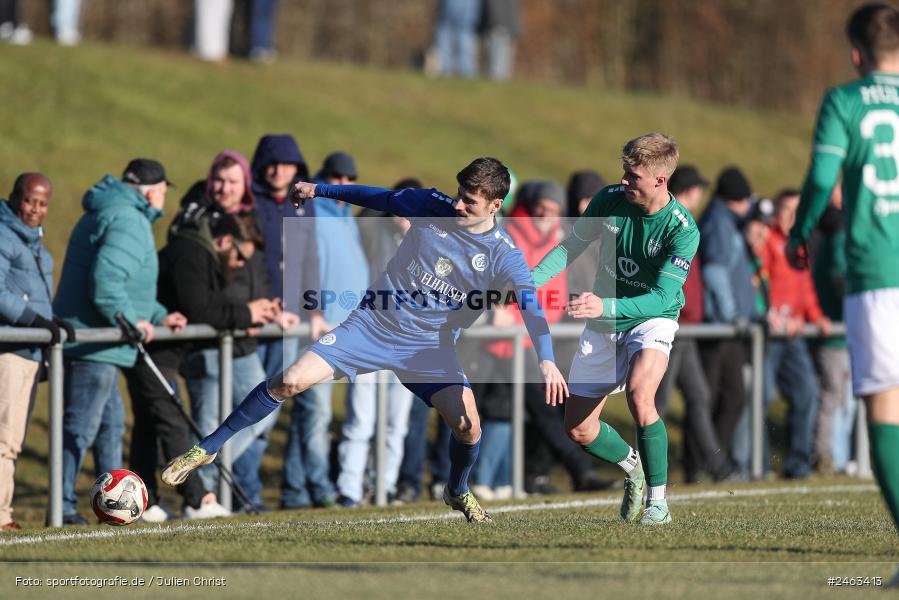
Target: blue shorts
362	345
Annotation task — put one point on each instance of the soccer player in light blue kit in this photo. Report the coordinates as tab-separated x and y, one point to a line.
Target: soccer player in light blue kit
452	263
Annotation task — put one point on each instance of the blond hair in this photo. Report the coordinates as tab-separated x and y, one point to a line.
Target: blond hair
655	151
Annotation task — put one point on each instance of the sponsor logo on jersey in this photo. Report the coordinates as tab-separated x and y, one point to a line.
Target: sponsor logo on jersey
654	247
628	267
680	217
479	262
665	343
613	228
437	230
327	340
443	291
680	262
443	267
637	284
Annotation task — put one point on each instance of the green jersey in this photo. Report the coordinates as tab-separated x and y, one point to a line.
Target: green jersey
858	132
644	259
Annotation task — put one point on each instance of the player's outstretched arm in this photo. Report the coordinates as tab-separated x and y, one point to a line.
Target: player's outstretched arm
360	195
411	202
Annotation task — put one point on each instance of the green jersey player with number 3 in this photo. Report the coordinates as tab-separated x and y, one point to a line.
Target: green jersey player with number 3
858	133
647	240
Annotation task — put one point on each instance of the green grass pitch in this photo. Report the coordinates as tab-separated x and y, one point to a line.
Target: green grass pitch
743	541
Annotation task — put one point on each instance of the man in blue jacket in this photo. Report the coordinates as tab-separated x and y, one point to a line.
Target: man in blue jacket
729	297
26	275
344	270
111	266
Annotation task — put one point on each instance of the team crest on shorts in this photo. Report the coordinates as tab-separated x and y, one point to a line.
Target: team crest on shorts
327	339
479	262
443	267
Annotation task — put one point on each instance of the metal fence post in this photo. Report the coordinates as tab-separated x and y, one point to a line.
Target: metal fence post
381	440
518	416
56	412
757	399
226	370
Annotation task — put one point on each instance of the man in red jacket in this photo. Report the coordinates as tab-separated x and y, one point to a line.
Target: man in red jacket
535	227
793	303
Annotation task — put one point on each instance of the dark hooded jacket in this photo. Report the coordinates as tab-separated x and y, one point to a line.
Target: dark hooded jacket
272	210
197	284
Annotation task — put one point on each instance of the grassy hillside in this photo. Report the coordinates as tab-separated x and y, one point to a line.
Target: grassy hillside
79	113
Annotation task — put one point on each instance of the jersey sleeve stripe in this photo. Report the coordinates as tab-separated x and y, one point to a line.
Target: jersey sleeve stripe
827	149
574	233
672	276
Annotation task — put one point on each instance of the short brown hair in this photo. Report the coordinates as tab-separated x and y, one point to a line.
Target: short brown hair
655	151
486	176
782	195
873	30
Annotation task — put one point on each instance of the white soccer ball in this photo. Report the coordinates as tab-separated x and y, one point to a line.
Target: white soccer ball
119	497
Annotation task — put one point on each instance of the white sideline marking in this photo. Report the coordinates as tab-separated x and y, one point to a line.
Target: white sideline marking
441	516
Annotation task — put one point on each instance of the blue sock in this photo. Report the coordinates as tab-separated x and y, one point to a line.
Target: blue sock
256	406
462	459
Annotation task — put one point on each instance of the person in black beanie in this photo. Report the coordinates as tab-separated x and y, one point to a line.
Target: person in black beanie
582	186
728	297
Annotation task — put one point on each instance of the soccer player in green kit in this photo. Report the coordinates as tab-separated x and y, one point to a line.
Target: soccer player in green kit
647	241
858	133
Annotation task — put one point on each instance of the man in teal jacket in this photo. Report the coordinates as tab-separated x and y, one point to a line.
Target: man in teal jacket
110	266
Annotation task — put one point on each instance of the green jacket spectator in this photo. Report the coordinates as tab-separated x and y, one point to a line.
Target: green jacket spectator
110	266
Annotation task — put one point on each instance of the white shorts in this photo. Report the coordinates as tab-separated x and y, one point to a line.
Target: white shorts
602	362
872	334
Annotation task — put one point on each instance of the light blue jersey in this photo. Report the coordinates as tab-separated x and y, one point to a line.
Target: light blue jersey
442	276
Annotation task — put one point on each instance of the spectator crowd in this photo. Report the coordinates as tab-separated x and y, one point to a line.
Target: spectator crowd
239	255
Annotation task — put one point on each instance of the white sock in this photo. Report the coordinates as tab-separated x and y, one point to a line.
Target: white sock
629	463
656	492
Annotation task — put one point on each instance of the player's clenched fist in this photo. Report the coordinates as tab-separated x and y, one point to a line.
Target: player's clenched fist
301	192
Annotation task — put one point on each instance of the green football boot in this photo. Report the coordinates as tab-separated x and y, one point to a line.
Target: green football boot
468	505
656	513
181	466
634	485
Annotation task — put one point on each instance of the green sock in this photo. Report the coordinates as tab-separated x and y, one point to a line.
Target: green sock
885	461
609	446
652	441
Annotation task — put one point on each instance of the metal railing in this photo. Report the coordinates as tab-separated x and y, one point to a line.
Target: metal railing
754	333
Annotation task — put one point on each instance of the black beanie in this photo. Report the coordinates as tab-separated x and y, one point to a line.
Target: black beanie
583	184
732	185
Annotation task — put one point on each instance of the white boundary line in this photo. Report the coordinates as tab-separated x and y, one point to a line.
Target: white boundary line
115	532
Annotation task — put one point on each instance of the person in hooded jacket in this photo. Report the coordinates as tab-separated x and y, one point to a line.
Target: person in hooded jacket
110	267
228	189
277	164
26	277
